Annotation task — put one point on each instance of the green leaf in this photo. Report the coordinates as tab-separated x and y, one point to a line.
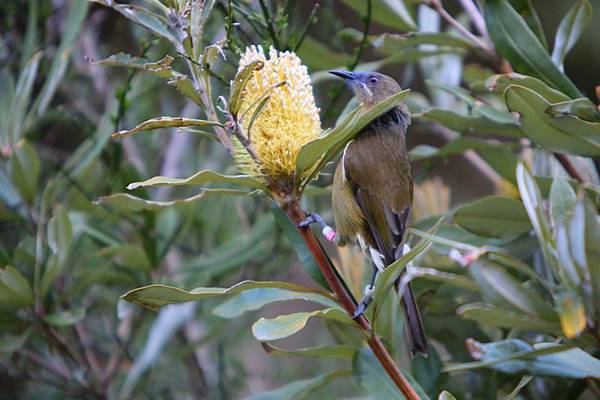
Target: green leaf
282	326
386	279
21	99
123	60
520	46
145	18
371	376
199	178
165	122
562	134
445	395
127	202
304	254
318	152
498	317
581	108
389	43
471	124
562	200
60	234
571	312
390	13
128	255
300	389
526	10
14	288
239	83
494	216
522	383
24	170
570	30
253	299
515	356
71	28
318	56
65	318
153	297
525	299
335	351
11	343
499	83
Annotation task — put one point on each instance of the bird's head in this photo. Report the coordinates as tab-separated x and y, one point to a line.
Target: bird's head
369	87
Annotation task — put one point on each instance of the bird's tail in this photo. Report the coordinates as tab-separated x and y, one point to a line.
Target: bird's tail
417	342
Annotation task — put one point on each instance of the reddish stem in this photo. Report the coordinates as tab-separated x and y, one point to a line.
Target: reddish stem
297	215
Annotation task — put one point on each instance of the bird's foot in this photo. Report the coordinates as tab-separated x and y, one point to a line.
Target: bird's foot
327	232
362	306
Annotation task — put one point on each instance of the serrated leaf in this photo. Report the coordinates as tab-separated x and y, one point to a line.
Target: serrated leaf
123	60
371	376
581	108
127	202
570	30
499	83
494	216
562	134
145	18
318	152
165	122
282	326
515	41
199	178
334	351
300	389
471	124
254	299
153	297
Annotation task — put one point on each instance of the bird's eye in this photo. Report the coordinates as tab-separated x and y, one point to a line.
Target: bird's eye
373	80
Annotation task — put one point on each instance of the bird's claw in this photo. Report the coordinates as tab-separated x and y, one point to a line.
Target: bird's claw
310	219
360	310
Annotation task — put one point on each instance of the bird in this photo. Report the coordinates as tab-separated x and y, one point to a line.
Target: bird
372	191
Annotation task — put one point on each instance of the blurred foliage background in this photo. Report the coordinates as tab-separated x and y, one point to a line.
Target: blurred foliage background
509	288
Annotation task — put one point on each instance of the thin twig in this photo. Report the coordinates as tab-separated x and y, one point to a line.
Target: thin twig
436	5
569	167
296	215
309	23
269	24
475	16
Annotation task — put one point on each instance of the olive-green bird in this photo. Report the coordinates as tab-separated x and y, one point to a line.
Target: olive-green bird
373	190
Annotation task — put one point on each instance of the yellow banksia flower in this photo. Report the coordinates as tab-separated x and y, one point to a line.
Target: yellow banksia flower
289	120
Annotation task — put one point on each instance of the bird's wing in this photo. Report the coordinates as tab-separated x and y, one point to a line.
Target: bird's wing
378	170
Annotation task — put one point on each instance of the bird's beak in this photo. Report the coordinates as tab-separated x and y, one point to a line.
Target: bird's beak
343	74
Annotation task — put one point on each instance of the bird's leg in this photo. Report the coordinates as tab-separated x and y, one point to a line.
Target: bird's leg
327	232
368	297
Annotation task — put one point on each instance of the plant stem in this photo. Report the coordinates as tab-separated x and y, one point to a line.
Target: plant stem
296	215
